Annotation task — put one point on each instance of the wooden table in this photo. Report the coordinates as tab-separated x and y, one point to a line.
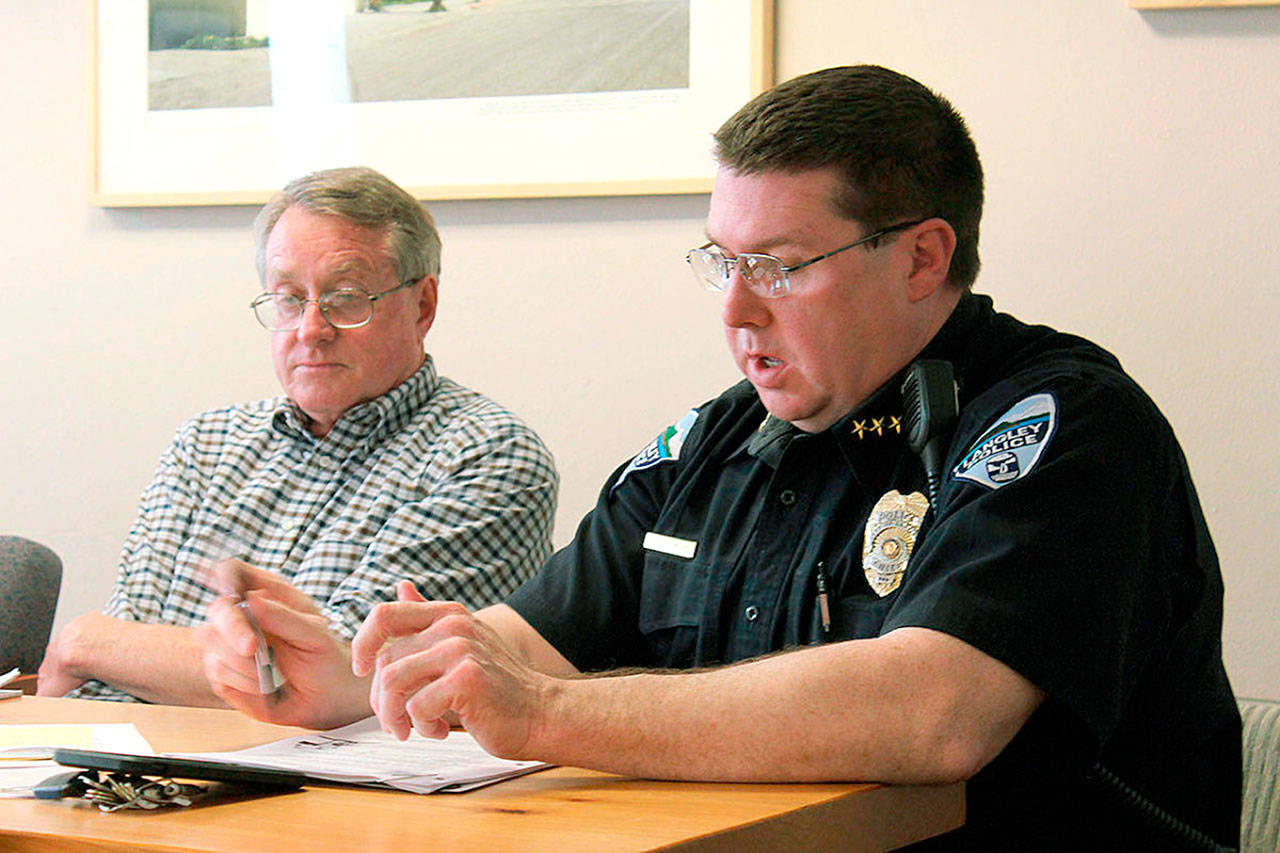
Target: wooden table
560	809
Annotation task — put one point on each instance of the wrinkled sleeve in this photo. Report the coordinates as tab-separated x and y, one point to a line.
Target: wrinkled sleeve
150	550
586	600
481	527
1065	573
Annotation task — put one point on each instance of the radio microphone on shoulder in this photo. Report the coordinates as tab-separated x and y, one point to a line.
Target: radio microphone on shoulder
931	404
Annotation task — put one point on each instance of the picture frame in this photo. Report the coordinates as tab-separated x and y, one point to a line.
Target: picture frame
570	143
1197	4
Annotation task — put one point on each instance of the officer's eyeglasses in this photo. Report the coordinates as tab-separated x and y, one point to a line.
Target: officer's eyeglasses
764	274
345	308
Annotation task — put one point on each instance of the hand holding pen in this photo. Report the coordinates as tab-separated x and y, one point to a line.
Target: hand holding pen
270	681
229	578
223	552
321	690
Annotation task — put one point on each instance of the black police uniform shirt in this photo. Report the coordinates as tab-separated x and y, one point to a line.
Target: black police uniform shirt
1066	541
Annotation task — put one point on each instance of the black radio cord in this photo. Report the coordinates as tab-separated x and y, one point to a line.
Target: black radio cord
1193	838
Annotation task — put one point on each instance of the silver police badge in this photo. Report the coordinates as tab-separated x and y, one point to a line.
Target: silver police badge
890	537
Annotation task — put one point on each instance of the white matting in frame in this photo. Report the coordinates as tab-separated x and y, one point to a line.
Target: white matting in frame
571	144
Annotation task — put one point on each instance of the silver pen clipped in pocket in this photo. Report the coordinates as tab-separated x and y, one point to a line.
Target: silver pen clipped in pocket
221	545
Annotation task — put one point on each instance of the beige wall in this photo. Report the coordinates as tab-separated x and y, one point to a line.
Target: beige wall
1133	168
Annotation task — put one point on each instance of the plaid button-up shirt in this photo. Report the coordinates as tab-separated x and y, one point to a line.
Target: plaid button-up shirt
431	482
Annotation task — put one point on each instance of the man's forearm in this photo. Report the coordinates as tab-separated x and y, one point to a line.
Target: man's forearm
156	663
527	644
867	710
912	706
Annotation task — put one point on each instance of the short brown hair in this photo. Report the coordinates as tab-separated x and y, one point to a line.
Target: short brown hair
904	151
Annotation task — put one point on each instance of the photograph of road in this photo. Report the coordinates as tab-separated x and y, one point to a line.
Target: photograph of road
214	53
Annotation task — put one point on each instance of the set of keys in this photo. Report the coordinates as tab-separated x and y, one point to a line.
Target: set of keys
115	791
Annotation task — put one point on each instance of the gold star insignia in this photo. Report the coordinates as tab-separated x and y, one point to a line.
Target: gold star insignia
877	426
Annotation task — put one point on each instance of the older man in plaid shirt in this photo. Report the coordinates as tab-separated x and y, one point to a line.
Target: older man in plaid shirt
370	469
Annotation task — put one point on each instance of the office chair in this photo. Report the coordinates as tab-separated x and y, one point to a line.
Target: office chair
1260	816
30	578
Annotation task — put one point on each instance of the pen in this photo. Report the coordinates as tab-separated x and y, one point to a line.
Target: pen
222	544
270	681
824	608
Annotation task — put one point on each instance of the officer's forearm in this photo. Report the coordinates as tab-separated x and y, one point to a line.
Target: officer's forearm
914	706
523	641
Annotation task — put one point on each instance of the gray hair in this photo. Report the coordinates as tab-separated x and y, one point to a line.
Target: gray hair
367	198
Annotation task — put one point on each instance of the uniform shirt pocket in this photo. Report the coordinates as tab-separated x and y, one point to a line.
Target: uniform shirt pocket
672	596
860	616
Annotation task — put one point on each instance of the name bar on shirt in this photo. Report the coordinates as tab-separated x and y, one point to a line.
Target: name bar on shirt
669	545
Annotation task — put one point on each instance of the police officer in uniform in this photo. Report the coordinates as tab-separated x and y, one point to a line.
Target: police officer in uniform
921	542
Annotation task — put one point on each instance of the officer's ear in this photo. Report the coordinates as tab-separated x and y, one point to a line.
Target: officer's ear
932	243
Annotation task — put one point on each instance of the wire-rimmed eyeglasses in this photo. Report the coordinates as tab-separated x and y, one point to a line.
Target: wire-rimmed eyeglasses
344	308
764	274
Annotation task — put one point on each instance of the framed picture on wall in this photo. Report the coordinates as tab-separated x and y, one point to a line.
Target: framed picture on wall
223	101
1197	4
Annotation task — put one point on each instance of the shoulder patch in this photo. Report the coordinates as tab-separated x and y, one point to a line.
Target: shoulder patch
664	448
1009	450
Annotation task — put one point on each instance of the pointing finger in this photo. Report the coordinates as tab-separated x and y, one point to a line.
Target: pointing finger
406	591
395	619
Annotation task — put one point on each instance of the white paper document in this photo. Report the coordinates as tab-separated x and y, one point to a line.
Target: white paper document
26	749
362	754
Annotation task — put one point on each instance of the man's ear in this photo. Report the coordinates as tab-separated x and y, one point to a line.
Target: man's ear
934	244
427	292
